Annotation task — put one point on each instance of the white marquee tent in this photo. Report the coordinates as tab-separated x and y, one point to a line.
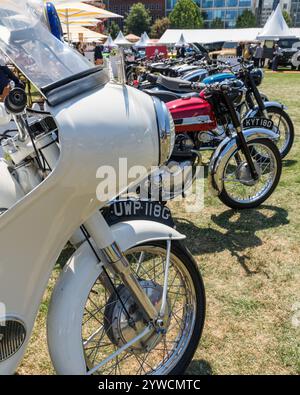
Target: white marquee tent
172	36
275	27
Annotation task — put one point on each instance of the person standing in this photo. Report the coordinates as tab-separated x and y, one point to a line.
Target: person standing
263	59
239	50
258	55
276	56
98	55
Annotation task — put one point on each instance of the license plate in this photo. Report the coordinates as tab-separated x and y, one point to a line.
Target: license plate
258	123
138	210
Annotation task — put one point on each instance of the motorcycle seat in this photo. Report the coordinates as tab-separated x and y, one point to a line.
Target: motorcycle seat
174	84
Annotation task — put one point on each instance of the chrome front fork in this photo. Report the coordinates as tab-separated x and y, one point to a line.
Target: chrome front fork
113	258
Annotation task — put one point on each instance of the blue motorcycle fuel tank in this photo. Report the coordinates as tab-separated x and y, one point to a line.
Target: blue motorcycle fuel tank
218	78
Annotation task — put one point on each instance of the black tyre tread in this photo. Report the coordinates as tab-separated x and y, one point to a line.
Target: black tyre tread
285	115
185	256
223	196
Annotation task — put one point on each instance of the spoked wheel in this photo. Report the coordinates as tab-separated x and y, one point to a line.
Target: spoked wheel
284	128
112	320
240	190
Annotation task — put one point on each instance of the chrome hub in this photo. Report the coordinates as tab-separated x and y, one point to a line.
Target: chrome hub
121	330
243	173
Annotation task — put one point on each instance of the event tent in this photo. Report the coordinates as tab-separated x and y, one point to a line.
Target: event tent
88	35
275	27
182	42
121	40
172	36
110	43
143	41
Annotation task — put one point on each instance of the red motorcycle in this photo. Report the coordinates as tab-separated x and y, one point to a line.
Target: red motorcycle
245	167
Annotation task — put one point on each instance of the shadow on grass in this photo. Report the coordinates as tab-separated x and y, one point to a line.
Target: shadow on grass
240	227
201	368
289	163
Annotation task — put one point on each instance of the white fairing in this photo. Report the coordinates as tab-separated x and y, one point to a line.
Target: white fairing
10	191
4	117
72	289
95	130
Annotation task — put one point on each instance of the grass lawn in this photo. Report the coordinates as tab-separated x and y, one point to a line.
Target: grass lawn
250	262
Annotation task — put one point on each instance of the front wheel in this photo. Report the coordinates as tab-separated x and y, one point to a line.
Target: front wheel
240	190
102	330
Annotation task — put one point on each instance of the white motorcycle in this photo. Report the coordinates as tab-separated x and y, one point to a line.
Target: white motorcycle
131	299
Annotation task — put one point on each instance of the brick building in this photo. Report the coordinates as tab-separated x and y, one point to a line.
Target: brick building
156	7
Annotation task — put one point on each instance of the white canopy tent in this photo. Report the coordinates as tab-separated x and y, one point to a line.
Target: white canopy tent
182	42
172	36
275	27
121	40
143	41
110	43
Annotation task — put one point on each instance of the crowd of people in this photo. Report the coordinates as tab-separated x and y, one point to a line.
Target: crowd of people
257	53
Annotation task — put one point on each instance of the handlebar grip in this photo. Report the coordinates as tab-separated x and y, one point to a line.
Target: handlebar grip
16	101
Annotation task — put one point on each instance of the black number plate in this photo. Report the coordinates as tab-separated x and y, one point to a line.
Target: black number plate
138	210
258	123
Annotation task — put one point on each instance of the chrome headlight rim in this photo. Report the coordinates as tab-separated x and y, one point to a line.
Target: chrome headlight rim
166	130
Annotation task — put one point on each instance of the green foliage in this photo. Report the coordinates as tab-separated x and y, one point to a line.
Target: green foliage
114	29
287	18
217	24
138	20
246	19
186	15
159	27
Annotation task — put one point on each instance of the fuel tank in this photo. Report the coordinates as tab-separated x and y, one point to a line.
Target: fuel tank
218	78
192	114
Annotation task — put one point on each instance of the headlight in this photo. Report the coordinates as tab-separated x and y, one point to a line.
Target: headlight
166	130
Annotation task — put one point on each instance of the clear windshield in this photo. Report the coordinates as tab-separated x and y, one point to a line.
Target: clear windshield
26	40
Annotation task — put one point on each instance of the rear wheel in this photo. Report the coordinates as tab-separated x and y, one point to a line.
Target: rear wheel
284	128
240	190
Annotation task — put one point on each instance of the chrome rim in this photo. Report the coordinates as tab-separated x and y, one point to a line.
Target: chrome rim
282	129
238	182
147	263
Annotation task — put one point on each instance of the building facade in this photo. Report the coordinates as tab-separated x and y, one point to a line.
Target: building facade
265	8
295	12
227	10
156	7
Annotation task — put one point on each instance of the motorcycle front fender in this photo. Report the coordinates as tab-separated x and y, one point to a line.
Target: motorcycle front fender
225	151
72	289
253	112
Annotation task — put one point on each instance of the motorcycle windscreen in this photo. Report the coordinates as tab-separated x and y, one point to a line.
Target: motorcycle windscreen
26	40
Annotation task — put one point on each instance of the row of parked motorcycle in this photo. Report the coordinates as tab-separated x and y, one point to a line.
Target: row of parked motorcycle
213	104
130	300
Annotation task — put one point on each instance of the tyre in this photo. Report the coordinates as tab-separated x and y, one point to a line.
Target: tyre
240	191
107	318
285	127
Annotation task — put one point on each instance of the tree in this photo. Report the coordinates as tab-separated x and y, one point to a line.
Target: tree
287	18
246	19
138	20
217	24
159	27
114	29
186	15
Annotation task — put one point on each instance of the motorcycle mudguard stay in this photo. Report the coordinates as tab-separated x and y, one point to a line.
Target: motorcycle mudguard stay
44	220
72	289
224	152
253	112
